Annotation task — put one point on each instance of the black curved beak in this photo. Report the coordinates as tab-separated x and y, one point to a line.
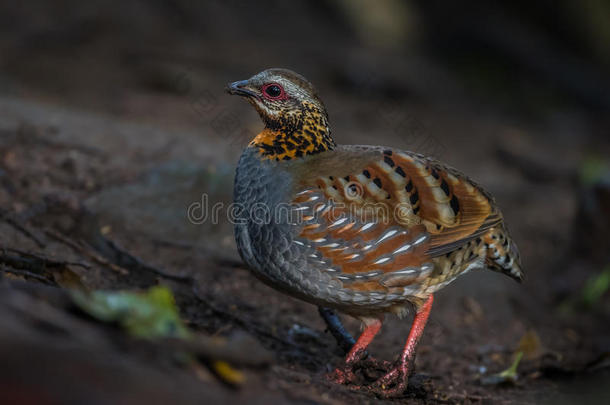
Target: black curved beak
239	88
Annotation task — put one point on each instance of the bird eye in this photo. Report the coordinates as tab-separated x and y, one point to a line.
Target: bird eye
273	91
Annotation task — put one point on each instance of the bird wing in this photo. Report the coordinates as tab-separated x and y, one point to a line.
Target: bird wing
376	217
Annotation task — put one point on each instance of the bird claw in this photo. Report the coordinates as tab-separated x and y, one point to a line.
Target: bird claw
392	384
343	375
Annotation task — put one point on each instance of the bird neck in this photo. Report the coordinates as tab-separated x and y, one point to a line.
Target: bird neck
295	134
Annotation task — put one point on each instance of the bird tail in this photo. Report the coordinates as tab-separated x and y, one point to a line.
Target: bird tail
502	253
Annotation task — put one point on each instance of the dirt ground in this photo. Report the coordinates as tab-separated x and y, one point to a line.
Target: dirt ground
114	126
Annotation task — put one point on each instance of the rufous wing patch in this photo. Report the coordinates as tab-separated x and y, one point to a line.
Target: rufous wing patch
421	209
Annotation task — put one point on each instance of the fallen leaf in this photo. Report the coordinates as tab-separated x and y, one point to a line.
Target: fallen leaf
227	373
530	345
69	279
149	314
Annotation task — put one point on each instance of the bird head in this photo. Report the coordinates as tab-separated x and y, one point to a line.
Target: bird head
296	122
282	97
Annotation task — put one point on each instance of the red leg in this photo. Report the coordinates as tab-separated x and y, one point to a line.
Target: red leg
399	375
346	373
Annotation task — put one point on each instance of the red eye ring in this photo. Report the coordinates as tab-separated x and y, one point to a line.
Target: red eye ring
274	91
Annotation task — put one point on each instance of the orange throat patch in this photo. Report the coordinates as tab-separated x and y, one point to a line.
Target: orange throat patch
308	136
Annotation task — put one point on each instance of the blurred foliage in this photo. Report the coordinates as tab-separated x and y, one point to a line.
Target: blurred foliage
383	23
595	287
589	296
592	170
536	57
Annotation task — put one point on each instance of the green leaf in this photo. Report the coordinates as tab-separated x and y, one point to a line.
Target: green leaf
507	376
510	374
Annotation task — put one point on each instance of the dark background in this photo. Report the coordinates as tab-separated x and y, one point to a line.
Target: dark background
114	120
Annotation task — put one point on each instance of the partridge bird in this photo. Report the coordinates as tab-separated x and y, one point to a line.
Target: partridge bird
365	230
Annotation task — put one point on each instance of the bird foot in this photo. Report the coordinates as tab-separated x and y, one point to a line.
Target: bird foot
347	375
393	383
342	375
